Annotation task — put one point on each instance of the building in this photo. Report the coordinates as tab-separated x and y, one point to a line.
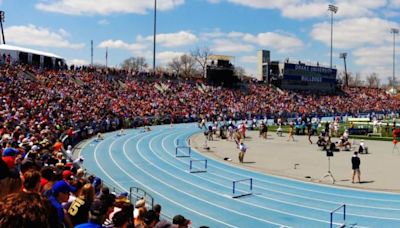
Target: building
296	75
220	71
14	54
263	60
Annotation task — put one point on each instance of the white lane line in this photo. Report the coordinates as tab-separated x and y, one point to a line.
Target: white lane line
109	177
256	205
186	193
158	193
137	181
218	194
260	180
284	202
305	189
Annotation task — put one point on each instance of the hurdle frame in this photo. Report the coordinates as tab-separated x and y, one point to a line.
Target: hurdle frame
183	156
198	171
177	142
242	180
344	216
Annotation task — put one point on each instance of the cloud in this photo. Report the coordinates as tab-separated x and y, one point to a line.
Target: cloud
167	56
395	3
39	36
351	33
391	13
119	44
374	56
215	33
77	62
214	1
265	4
225	45
377	59
248	59
103	22
282	43
245	42
181	38
105	7
304	9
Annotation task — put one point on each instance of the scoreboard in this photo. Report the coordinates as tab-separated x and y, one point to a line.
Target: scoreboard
300	72
308	77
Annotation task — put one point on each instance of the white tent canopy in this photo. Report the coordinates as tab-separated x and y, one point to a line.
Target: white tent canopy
30	56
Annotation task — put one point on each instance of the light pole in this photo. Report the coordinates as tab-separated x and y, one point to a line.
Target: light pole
333	9
91	53
344	56
154	36
1	24
394	31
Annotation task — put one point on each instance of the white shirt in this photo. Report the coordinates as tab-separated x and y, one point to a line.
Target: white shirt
242	148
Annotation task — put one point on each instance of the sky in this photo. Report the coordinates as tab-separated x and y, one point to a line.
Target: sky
294	29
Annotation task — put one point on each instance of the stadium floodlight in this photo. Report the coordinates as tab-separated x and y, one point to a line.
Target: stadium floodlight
344	56
2	16
333	10
154	36
394	31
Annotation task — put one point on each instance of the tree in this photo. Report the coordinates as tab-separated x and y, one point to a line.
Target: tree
201	56
391	82
357	80
134	64
183	66
175	65
373	81
240	72
354	81
188	65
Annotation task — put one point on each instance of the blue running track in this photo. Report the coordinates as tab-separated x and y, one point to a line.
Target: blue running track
147	160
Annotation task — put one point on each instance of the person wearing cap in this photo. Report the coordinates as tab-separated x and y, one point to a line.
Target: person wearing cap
181	221
9	155
97	183
68	176
355	162
60	194
139	204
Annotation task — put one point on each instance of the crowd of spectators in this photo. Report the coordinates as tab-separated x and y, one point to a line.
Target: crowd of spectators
43	186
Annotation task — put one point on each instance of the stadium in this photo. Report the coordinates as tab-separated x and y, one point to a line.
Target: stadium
199	143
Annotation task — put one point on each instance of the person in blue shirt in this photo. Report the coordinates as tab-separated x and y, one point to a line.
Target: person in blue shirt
60	194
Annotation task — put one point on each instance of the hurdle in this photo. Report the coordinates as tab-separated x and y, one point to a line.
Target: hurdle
178	141
237	193
180	148
193	169
344	216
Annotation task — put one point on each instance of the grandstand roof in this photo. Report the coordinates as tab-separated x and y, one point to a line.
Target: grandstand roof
22	49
